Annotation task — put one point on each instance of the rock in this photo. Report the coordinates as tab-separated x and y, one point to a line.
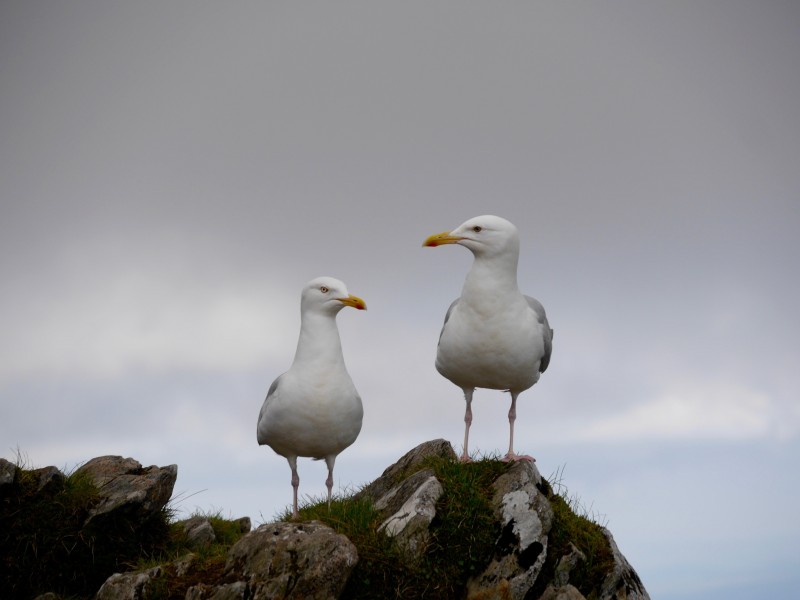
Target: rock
408	464
406	495
622	583
50	479
567	592
228	591
525	517
244	524
128	586
409	525
199	532
310	560
292	560
127	489
8	473
566	564
184	563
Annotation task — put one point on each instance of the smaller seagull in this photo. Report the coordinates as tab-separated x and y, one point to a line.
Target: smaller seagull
314	409
493	336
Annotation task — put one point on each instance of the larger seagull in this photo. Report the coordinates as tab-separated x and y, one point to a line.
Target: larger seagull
493	336
314	409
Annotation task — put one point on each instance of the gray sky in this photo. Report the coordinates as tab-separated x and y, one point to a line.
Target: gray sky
171	174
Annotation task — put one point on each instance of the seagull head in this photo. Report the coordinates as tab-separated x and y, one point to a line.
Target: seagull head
486	235
328	295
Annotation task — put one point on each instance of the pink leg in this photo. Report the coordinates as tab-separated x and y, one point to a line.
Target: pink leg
329	460
295	484
467	422
512	416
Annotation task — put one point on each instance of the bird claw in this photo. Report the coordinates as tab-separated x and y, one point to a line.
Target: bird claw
465	459
512	457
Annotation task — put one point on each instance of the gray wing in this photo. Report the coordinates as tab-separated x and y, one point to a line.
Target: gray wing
537	307
272	389
447	317
270	395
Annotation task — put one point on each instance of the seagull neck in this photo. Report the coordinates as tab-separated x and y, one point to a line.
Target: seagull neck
496	274
319	339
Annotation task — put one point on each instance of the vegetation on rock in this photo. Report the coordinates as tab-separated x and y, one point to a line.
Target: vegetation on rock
45	545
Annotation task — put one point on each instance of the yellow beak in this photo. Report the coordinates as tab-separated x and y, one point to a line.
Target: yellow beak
353	301
437	239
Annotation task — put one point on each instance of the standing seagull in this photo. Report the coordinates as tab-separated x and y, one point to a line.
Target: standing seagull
493	336
314	409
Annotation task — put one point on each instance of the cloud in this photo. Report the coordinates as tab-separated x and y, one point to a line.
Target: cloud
699	411
146	321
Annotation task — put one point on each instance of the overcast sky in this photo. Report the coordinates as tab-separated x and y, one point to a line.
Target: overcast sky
172	174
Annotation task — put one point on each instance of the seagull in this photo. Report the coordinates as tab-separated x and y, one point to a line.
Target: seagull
493	336
313	409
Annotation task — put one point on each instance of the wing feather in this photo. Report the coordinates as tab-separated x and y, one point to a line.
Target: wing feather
537	307
447	317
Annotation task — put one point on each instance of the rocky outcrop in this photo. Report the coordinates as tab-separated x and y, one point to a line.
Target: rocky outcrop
407	494
127	489
528	557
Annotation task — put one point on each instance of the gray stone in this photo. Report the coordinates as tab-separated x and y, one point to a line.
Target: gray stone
525	518
566	564
409	525
199	532
566	592
292	560
228	591
50	479
406	495
8	472
409	463
128	489
184	563
622	583
128	586
244	524
394	498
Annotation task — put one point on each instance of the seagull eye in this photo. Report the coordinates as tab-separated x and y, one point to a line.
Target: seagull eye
324	290
477	229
